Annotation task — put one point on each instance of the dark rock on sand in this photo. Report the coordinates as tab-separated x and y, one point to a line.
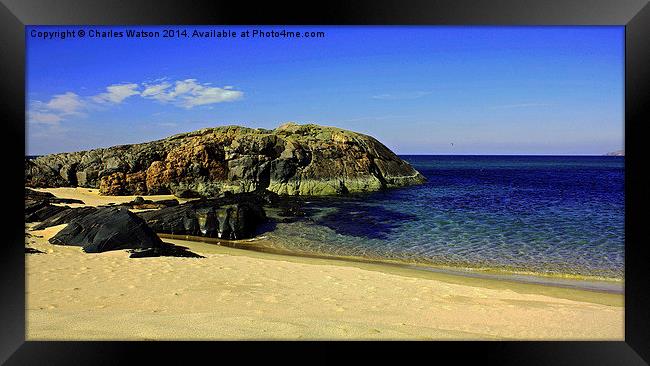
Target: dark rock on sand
167	203
165	250
235	216
140	203
108	229
290	160
39	211
29	250
39	205
32	195
64	217
111	228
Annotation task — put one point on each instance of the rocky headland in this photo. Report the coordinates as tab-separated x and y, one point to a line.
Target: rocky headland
292	159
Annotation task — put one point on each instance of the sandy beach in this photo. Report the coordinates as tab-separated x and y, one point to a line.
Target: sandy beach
241	294
91	196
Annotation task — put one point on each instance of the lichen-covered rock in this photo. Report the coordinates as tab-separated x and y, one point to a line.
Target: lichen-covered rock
290	160
119	183
112	184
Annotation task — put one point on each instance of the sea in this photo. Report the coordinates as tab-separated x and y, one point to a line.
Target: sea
553	216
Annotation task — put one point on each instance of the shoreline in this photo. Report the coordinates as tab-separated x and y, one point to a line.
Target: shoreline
91	197
579	282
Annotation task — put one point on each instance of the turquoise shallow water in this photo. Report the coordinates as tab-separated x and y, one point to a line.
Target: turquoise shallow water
540	214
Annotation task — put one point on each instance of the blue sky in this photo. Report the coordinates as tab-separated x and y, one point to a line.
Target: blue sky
419	90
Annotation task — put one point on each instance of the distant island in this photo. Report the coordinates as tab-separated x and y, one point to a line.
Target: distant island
616	153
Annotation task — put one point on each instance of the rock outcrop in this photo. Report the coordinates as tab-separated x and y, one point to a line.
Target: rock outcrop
63	216
290	160
140	203
233	217
40	205
108	229
32	195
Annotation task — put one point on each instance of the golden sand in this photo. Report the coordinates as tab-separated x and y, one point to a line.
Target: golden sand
241	294
91	196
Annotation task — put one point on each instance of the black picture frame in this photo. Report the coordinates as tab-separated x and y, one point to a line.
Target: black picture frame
633	14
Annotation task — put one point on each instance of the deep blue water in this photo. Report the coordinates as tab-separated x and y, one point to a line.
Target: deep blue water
543	214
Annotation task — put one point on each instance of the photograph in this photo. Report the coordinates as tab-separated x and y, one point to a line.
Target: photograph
325	182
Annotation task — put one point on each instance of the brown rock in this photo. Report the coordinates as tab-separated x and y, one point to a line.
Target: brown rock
112	185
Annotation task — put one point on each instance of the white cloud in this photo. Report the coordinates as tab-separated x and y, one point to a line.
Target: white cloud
186	93
56	109
68	103
189	93
45	118
156	91
116	93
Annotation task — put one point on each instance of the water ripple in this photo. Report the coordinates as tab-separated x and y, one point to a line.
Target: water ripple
541	214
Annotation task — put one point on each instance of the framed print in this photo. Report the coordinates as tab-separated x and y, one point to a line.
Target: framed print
466	171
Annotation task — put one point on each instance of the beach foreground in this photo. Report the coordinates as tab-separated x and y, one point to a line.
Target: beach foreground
240	294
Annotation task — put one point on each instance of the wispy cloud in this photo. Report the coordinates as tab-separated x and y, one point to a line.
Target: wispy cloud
44	117
116	93
190	93
56	109
68	103
402	95
156	91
